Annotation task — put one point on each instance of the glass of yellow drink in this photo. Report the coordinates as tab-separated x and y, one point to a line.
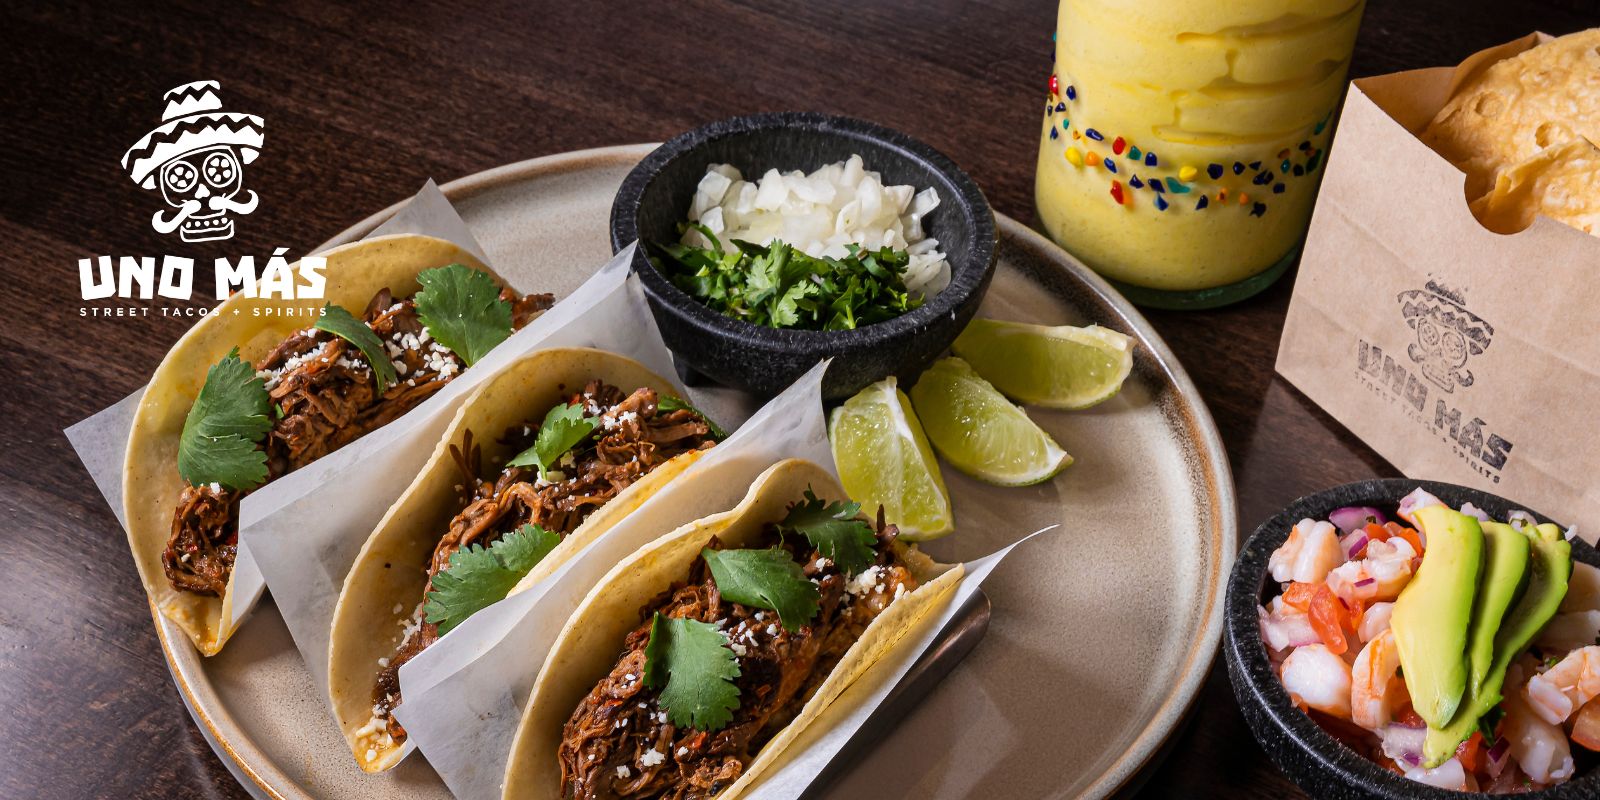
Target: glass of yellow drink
1183	141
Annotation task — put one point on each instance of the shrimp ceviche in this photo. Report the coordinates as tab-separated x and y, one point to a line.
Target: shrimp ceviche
1456	650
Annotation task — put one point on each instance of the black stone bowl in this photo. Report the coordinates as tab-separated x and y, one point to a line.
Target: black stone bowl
1313	759
655	198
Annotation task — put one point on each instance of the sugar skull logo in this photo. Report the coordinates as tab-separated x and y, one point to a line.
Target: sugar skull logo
197	156
1447	334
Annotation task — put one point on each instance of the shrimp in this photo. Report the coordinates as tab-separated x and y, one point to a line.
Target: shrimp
1375	621
1317	678
1540	748
1310	553
1380	576
1284	626
1559	691
1375	691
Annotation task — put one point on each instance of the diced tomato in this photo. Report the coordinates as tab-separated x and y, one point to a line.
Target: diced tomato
1358	609
1328	620
1586	725
1376	532
1470	752
1299	595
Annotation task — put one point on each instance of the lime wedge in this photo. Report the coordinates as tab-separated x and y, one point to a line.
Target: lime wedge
1059	367
884	459
979	431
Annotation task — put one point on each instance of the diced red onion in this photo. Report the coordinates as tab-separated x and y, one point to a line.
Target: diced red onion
1352	518
1473	511
1353	544
1521	519
1365	582
1497	756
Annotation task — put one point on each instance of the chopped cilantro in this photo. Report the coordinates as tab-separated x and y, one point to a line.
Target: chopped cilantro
343	324
478	577
463	311
833	529
563	428
692	660
227	420
779	286
767	578
667	402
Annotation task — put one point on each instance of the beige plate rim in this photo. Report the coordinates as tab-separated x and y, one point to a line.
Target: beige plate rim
265	779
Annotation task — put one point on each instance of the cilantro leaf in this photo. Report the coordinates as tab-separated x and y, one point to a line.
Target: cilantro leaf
667	402
834	530
779	286
343	324
563	428
765	579
462	308
228	418
478	577
692	660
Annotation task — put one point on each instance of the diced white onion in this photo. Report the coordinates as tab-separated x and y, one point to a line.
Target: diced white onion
837	205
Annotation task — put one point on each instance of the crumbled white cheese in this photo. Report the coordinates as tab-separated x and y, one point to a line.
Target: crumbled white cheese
623	772
865	581
651	758
823	563
738	649
683	751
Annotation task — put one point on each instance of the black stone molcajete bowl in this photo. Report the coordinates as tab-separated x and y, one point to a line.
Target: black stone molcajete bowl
655	198
1321	765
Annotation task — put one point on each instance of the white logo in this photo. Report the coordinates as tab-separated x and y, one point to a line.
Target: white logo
198	155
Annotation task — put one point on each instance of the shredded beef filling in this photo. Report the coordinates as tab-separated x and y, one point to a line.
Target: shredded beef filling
325	397
619	743
634	437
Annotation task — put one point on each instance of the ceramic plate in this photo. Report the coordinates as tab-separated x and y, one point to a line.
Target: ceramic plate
1102	631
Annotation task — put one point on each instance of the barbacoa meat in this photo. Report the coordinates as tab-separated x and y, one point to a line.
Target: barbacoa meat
634	437
326	397
619	742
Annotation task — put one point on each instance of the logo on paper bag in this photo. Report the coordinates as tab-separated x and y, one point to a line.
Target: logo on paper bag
1447	334
197	156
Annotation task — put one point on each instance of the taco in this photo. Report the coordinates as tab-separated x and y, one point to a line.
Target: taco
261	387
543	458
693	664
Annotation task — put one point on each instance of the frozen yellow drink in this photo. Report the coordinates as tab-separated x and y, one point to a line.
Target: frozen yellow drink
1182	140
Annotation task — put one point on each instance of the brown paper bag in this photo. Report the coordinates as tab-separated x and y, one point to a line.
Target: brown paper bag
1457	353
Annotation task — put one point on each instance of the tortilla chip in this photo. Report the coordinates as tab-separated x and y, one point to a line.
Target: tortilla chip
1537	100
1560	182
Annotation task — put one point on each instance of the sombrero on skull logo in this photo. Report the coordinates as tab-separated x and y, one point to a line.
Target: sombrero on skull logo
197	156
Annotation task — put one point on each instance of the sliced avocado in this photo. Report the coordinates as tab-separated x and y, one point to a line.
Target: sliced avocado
1433	613
1505	574
1549	570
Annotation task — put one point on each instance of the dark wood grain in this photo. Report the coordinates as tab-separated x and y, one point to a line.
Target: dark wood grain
363	103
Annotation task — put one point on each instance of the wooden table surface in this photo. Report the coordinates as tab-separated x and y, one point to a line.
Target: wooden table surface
362	104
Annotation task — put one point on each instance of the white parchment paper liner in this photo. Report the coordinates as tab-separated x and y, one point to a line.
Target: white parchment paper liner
306	544
101	441
463	696
300	533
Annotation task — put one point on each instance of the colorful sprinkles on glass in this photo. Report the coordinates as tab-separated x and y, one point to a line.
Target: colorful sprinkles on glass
1272	172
